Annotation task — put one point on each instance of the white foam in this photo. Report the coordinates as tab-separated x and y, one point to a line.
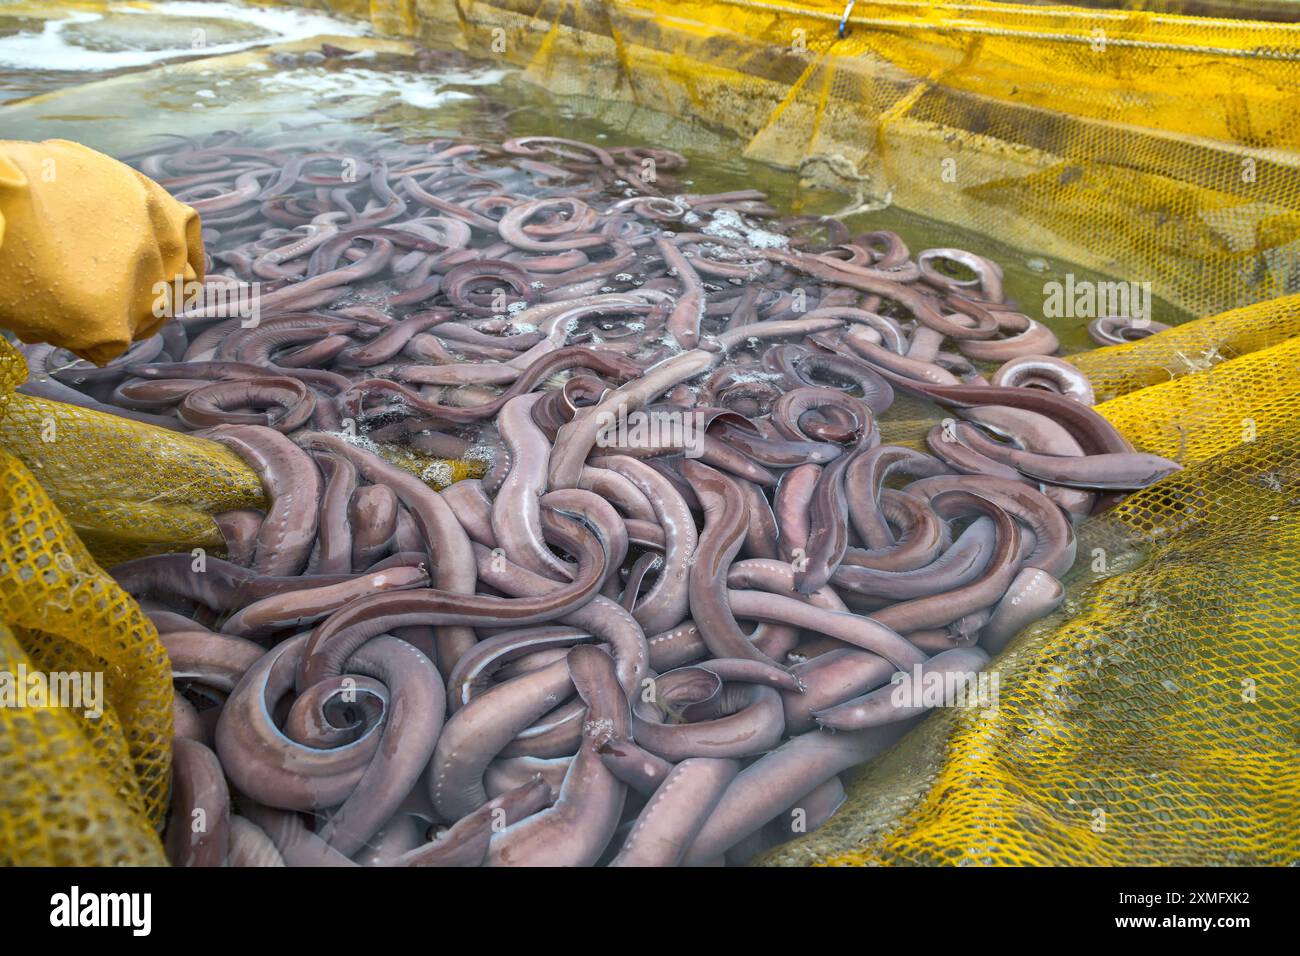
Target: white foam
361	441
438	473
52	50
421	90
670	342
744	378
727	224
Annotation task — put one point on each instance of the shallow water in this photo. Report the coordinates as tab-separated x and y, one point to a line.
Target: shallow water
417	96
436	93
51	46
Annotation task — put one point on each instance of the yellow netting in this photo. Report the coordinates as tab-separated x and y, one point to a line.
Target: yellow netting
1195	417
1156	717
75	789
1156	148
1153	719
1191	347
127	489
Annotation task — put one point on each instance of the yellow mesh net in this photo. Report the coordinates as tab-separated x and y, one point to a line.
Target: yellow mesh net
127	489
79	488
77	788
1155	718
1153	147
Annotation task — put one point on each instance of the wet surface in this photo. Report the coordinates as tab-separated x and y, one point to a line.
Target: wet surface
51	46
377	99
372	89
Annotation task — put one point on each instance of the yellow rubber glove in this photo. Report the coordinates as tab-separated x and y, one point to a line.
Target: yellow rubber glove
84	241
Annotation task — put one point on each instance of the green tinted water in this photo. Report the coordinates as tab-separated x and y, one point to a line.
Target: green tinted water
444	94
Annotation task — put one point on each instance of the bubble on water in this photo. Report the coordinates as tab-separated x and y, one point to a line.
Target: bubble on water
361	441
728	224
438	473
594	728
745	378
670	341
92	41
420	90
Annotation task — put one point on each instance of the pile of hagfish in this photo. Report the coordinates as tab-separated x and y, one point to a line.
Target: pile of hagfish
622	644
